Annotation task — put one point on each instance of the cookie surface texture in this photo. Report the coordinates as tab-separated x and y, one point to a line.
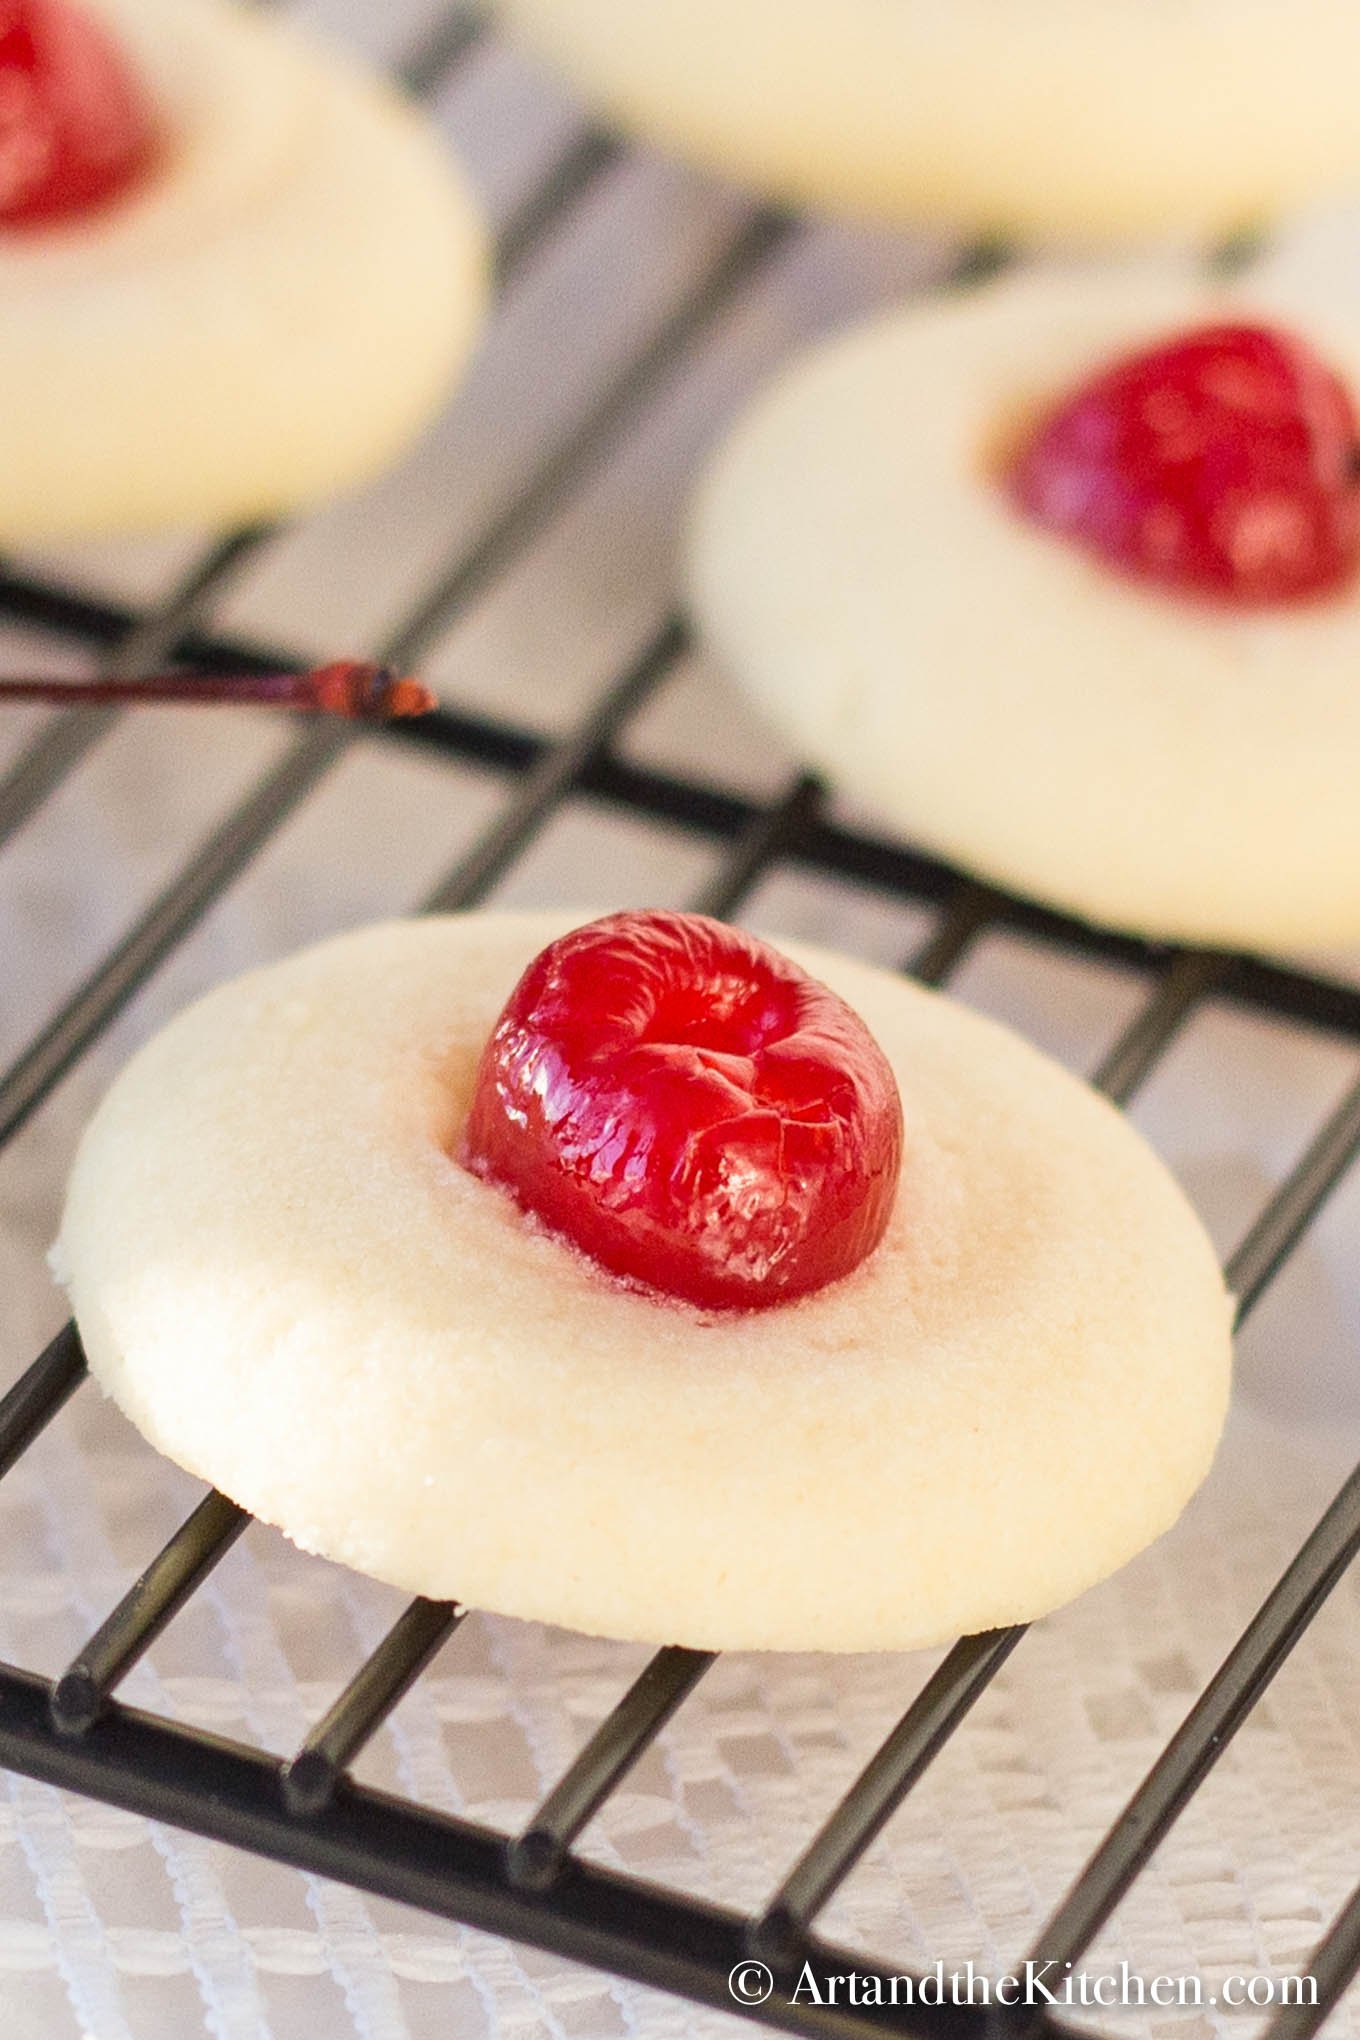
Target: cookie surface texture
291	1288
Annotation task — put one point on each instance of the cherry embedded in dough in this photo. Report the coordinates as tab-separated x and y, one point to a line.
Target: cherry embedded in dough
1221	463
77	129
690	1109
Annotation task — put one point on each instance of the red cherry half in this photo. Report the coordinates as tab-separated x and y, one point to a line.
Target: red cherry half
691	1110
77	128
1221	464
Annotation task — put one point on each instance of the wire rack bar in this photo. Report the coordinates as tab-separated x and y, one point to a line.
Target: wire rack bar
584	159
536	1857
1283	1616
1187	983
773	834
1332	1966
1175	997
1206	1731
968	914
564	470
448	1866
138	645
704	808
310	1778
557	769
176	910
151	639
938	1709
958	1684
700	807
533	1886
1296	1203
133	641
453	38
949	1696
41	1390
239	838
204	1538
972	1664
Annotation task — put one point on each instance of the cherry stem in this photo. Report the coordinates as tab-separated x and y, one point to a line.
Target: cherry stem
347	687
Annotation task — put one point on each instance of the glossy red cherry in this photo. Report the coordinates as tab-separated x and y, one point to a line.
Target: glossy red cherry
690	1109
76	126
1220	464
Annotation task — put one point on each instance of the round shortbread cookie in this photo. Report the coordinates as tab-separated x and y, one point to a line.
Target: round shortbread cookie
1093	118
289	1286
270	317
1172	767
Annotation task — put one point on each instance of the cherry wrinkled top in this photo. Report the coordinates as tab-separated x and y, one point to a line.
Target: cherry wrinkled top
77	128
1221	464
691	1110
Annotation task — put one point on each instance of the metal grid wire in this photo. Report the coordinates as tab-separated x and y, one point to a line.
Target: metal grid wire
308	1811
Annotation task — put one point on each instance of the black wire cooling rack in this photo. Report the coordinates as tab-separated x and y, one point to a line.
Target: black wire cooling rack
308	1811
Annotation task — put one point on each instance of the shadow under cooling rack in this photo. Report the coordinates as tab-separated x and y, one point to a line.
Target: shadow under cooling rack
73	1732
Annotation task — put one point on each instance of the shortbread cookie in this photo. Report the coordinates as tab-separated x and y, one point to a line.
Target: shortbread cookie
267	316
1167	766
1094	118
285	1280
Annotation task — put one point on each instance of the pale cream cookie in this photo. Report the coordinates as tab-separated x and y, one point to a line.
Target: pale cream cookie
287	1283
1170	767
1093	118
269	317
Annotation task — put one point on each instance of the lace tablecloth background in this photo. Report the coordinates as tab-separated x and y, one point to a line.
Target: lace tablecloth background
114	1928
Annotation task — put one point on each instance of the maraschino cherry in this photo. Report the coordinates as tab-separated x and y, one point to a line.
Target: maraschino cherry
1220	464
77	129
691	1110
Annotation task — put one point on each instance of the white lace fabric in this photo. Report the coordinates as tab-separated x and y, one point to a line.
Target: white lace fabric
113	1928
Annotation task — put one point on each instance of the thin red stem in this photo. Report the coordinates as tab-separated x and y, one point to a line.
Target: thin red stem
347	687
